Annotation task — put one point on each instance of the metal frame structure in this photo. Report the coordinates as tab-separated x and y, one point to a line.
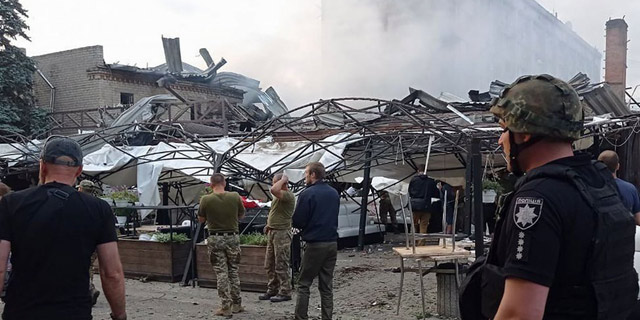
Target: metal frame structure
221	113
379	132
375	132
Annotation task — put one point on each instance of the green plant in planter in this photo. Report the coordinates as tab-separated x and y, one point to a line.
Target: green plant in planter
253	239
124	195
177	237
488	184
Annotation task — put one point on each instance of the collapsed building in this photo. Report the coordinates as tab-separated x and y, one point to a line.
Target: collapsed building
82	92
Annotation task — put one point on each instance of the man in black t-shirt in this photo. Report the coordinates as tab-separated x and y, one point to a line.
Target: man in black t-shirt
52	230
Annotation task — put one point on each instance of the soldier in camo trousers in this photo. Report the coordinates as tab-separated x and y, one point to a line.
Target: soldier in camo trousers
278	230
87	186
221	211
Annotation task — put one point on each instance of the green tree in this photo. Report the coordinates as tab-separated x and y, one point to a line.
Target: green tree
17	106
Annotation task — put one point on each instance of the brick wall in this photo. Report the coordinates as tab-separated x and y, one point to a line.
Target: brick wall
110	91
615	72
83	81
67	71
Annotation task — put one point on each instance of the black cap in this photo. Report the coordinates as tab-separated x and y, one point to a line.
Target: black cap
57	147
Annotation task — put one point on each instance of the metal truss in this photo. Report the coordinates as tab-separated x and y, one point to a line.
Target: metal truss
376	132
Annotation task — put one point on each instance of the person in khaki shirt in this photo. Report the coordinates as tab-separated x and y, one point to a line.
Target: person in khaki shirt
221	211
278	230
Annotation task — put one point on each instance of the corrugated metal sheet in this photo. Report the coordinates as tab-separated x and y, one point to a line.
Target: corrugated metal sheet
172	54
602	100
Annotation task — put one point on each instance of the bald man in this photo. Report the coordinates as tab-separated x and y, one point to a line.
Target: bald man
628	192
52	230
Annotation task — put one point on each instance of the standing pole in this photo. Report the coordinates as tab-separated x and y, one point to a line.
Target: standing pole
426	160
467	195
404	218
476	168
455	220
366	185
413	230
444	219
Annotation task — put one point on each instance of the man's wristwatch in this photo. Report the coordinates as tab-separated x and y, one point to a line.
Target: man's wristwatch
113	317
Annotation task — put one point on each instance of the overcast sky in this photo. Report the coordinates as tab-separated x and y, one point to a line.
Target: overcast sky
274	41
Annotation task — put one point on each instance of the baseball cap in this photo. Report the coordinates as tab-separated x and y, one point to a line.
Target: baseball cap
56	147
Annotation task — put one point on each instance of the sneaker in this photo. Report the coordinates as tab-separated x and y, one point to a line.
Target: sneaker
224	313
94	297
280	298
237	308
266	296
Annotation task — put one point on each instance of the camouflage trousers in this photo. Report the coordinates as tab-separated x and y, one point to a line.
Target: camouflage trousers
224	252
277	262
92	287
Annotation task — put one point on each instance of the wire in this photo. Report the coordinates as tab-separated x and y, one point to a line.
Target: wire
635	129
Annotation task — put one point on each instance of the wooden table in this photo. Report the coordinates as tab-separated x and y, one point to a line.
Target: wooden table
427	253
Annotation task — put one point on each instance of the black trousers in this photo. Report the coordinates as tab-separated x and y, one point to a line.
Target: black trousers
318	260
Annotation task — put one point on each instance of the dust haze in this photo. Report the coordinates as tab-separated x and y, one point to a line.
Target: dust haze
316	49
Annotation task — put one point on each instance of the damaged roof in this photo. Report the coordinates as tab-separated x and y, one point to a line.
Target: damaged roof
598	98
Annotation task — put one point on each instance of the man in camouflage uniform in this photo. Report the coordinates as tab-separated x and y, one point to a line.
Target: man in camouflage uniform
278	230
87	186
221	211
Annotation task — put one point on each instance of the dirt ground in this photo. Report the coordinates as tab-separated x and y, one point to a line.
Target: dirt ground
364	288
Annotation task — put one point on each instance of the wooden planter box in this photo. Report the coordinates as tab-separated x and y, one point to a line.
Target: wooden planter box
253	276
154	260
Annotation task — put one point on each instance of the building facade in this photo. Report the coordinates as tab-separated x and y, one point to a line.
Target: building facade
380	47
82	80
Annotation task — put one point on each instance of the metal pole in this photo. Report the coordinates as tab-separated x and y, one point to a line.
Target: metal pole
426	161
467	194
404	218
413	230
455	219
365	200
421	288
401	284
476	168
444	219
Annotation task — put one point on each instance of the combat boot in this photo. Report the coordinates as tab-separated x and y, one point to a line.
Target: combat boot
280	298
237	308
266	296
224	313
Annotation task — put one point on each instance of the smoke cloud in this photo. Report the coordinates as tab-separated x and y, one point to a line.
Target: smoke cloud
315	49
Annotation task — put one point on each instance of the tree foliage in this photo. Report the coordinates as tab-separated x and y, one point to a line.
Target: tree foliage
17	105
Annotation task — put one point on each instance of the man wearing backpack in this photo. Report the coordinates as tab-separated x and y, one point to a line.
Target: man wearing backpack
422	189
564	243
51	231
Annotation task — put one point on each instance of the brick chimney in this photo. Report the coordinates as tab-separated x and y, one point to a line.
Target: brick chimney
615	70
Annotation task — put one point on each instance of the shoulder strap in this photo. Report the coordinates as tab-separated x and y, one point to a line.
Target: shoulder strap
46	224
556	171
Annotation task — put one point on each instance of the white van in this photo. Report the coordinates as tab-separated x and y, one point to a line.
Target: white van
349	220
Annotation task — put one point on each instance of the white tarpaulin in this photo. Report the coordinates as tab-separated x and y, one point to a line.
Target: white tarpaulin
192	164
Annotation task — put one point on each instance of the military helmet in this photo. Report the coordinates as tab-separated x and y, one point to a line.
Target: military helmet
90	187
541	105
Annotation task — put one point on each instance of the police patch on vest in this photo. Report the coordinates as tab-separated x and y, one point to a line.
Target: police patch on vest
527	212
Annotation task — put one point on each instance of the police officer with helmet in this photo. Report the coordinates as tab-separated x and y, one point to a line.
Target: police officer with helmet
564	243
